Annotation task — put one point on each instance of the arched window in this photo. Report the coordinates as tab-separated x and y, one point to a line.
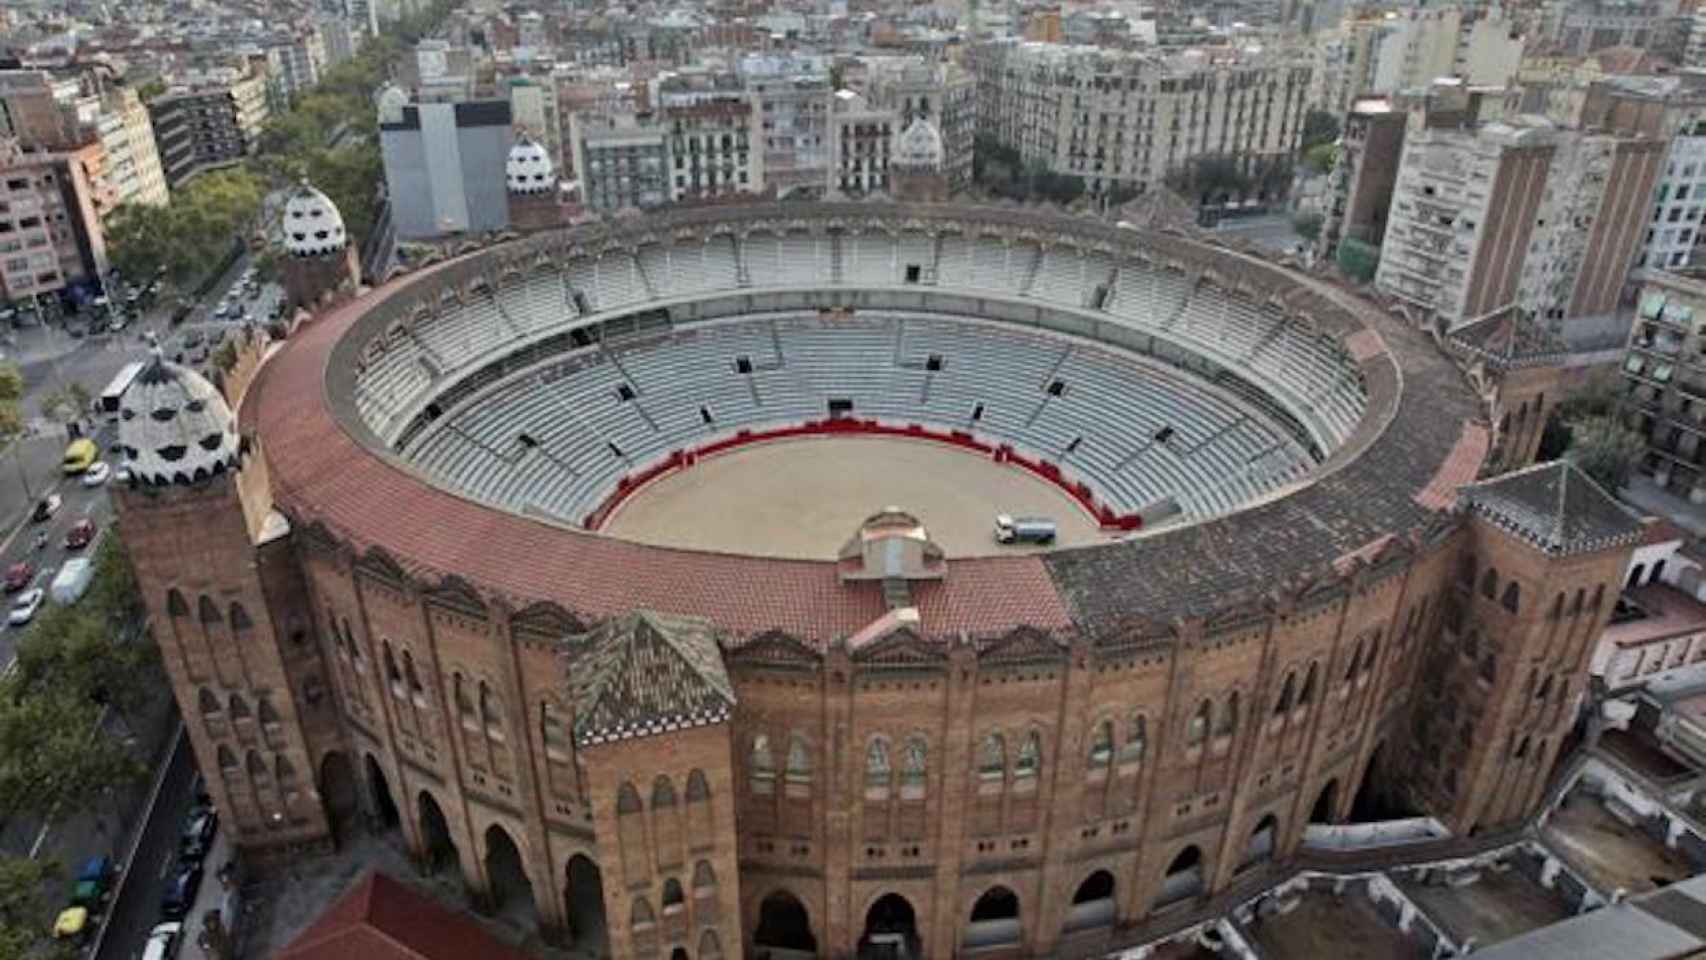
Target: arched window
257	767
672	899
175	605
239	708
209	611
1030	759
1545	688
1102	745
227	759
1373	654
915	764
464	703
799	760
1512	598
393	676
491	713
1136	740
1355	661
240	618
1466	571
761	766
1490	584
698	789
663	793
992	757
1288	694
1558	606
628	800
264	711
1598	596
1522	749
1228	722
284	771
1307	697
1197	729
640	917
409	674
877	767
704	879
209	703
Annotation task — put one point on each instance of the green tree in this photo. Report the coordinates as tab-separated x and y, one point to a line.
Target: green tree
1321	157
1358	259
1319	126
1210	179
53	759
1307	225
190	234
67	403
26	910
1605	450
11	401
153	88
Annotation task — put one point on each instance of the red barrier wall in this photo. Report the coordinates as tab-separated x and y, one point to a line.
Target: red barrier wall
847	426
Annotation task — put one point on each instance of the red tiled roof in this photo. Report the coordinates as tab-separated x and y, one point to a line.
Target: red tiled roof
382	919
320	473
1661	530
1460	467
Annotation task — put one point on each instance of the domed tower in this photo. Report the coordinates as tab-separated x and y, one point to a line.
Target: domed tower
531	179
390	103
318	258
228	608
915	167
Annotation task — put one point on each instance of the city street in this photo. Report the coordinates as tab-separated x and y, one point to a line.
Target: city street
49	360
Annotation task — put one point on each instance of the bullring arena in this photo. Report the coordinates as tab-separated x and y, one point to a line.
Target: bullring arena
648	568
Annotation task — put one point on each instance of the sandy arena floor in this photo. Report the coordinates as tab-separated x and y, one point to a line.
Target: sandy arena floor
804	498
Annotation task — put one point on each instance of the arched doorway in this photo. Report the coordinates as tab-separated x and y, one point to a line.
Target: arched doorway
994	920
438	851
1184	878
584	899
384	808
1325	803
338	792
679	953
1374	799
510	891
1093	904
1260	847
784	928
891	930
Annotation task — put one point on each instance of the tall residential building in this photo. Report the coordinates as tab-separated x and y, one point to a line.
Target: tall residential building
863	137
1126	119
209	126
35	109
1664	376
622	160
1376	53
296	60
50	231
1489	216
1583	26
1361	182
444	164
133	169
713	136
793	95
342	38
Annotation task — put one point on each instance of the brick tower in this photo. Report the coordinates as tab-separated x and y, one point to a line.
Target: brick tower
1542	561
228	607
531	182
318	258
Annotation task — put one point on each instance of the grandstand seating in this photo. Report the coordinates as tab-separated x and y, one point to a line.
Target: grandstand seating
1135	432
1306	373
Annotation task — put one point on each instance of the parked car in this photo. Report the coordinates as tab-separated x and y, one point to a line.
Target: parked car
20	575
198	791
72	580
122	474
72	925
163	941
181	889
92	882
97	474
46	507
198	834
81	534
25	606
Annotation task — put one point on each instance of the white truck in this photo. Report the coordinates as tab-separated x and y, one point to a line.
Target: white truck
71	581
1010	529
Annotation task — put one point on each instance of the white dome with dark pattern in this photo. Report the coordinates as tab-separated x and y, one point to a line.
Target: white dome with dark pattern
312	224
919	146
175	428
529	168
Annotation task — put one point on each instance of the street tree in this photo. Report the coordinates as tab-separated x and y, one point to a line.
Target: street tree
54	761
1605	450
67	403
1319	126
1307	225
11	401
26	910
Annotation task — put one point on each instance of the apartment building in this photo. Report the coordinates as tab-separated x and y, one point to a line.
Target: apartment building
132	167
622	160
211	124
1583	26
1364	175
863	137
50	232
296	60
1126	118
1664	379
714	136
1493	214
793	96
